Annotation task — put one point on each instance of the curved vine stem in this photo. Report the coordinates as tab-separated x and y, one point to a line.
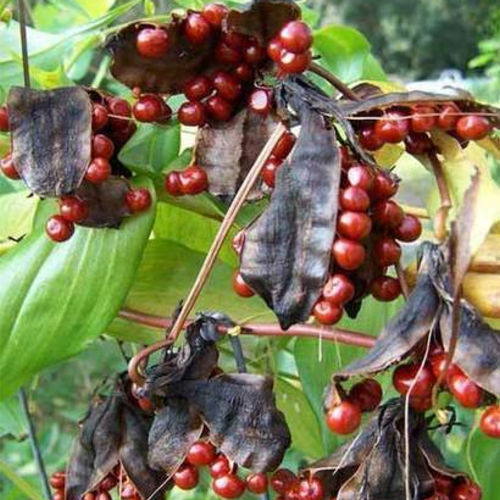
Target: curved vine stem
334	81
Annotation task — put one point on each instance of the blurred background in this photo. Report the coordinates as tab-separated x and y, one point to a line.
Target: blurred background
424	43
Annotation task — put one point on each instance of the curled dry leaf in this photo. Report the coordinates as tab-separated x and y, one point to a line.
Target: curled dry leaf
114	431
372	465
239	411
287	250
106	202
227	151
51	133
428	311
262	19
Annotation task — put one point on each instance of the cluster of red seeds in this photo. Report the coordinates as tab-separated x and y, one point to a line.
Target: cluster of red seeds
112	125
412	125
369	226
289	486
464	390
448	489
345	416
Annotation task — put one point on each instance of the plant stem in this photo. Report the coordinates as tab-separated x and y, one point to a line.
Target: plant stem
444	193
334	81
24	43
35	448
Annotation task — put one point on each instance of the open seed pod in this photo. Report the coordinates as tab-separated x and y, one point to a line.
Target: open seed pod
372	465
236	412
114	432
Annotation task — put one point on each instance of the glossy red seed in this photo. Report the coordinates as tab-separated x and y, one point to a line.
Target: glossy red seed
443	484
343	418
102	147
274	50
197	29
420	121
4	119
385	288
418	144
421	405
438	496
186	477
59	229
254	53
393	127
281	480
193	180
99	116
438	363
354	199
201	453
73	209
8	168
149	108
227	55
296	37
338	290
220	466
360	176
227	85
192	114
388	214
386	252
173	184
490	422
215	13
409	230
98	171
108	483
122	135
405	375
268	172
369	140
465	390
257	483
473	128
326	313
198	88
152	43
466	491
229	486
236	40
244	72
448	118
383	187
240	287
58	480
219	108
260	102
310	489
348	254
138	200
354	225
284	146
367	394
121	111
294	63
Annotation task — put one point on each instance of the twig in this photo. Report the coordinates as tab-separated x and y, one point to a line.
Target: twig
224	229
35	448
334	81
24	43
444	193
238	353
420	213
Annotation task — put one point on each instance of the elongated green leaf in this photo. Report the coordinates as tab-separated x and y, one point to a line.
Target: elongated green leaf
55	298
11	418
166	274
152	148
21	484
16	214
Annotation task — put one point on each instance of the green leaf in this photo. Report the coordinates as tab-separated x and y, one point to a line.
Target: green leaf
301	419
152	148
167	272
56	298
12	421
345	52
24	487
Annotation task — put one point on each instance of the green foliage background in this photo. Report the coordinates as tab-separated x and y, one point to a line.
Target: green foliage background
65	48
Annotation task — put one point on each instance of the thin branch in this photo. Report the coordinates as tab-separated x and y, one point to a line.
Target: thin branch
334	81
441	217
420	213
35	448
24	43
